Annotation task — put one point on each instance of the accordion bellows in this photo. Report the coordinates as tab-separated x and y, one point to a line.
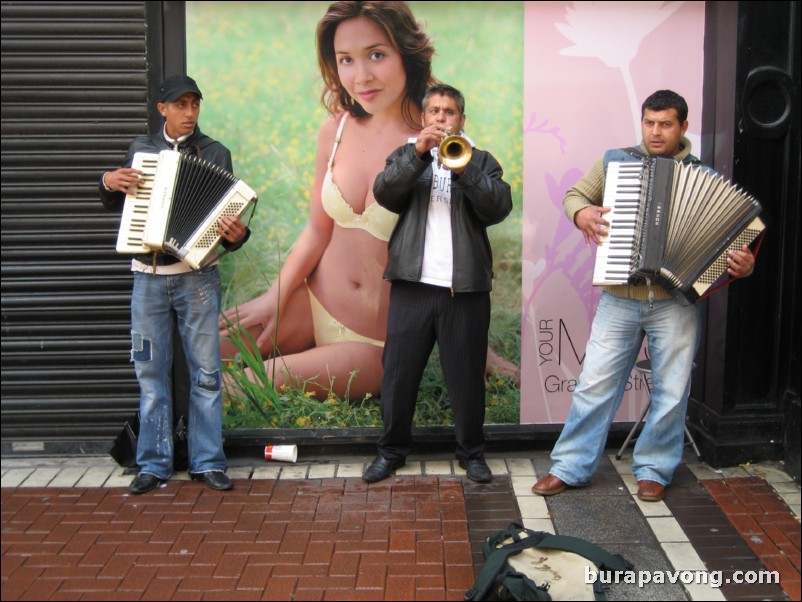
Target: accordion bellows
177	205
672	224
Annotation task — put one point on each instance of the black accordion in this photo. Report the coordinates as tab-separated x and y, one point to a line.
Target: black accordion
672	224
177	205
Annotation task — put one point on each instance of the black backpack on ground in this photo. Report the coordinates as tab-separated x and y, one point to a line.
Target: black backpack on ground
521	564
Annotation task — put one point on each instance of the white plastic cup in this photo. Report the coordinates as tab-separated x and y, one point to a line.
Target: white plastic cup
281	453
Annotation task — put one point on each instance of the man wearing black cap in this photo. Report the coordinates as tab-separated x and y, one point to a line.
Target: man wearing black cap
167	292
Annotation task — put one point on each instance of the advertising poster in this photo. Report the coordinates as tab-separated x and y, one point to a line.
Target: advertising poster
549	86
257	66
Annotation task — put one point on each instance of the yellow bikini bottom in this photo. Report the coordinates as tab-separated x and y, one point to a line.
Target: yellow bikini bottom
329	330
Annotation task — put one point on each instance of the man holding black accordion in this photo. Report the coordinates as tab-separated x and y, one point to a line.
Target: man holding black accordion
168	292
626	314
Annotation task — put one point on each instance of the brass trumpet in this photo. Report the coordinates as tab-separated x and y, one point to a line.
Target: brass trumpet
454	152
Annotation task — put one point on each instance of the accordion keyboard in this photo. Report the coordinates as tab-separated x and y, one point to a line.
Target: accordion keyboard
135	210
622	194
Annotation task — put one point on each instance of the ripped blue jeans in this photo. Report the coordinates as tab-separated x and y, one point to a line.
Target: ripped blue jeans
157	301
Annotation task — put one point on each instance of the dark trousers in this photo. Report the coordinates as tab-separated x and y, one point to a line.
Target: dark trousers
419	315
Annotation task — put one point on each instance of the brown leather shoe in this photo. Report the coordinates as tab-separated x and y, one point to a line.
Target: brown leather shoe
550	485
651	491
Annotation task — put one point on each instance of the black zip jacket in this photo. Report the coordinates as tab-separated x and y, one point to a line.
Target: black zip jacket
479	198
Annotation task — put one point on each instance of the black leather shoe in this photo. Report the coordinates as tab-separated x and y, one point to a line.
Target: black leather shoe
145	482
381	468
477	469
214	479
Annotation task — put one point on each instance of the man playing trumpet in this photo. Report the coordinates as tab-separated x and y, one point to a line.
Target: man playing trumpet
441	269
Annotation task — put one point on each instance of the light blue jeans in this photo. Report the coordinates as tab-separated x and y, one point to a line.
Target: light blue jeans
615	340
193	299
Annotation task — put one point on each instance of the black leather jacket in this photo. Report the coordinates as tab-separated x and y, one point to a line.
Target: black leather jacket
199	145
479	198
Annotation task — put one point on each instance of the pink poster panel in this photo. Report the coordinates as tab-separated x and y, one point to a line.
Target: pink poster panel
588	68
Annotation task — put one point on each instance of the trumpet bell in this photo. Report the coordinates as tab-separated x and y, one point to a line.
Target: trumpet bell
454	152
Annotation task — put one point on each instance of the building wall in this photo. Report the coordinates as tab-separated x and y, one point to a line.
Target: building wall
76	82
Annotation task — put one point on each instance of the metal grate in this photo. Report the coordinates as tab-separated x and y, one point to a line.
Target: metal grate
74	94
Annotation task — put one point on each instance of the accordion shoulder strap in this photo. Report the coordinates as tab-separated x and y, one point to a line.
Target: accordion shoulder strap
638	154
203	141
200	142
635	152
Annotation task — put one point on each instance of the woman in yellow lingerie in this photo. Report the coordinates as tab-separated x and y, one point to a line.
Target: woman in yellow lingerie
330	300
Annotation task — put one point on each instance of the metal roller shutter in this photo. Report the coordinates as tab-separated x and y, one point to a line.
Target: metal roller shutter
74	93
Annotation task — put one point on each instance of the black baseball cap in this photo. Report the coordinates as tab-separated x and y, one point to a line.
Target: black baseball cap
176	86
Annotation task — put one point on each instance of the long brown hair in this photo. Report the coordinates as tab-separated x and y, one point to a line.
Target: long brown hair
406	35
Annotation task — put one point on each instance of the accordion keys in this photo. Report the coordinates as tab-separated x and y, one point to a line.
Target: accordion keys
130	238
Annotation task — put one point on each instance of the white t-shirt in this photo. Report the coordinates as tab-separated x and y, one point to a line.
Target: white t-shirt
438	252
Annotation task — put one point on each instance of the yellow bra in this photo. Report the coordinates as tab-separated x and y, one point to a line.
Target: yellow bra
375	219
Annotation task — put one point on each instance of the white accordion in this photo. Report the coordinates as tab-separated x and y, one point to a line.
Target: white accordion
672	224
177	206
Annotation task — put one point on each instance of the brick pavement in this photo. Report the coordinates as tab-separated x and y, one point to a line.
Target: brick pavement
314	530
405	538
764	523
